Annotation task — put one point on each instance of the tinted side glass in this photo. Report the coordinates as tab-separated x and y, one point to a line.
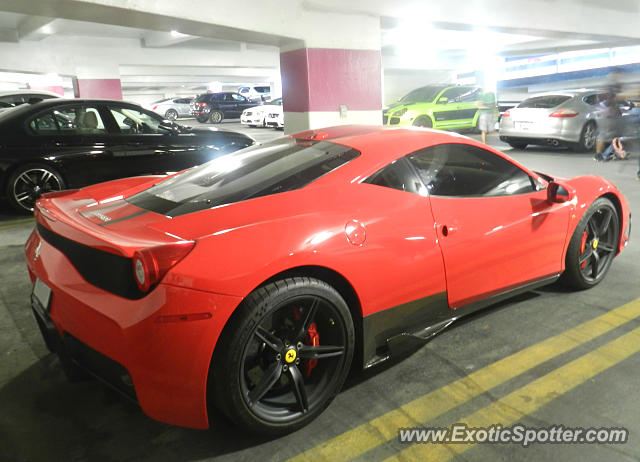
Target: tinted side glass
70	120
463	170
133	122
44	124
470	94
396	175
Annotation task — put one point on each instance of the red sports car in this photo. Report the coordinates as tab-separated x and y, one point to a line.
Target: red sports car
253	282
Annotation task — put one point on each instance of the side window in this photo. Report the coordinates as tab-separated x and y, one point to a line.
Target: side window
452	93
464	170
470	94
396	175
44	124
79	120
239	98
134	122
69	120
243	90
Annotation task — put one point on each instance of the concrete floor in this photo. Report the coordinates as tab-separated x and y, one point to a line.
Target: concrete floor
43	417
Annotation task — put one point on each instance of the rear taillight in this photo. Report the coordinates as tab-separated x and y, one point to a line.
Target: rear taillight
152	263
563	113
506	114
202	104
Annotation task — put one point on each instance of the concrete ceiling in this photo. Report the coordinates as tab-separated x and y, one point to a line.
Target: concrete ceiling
450	34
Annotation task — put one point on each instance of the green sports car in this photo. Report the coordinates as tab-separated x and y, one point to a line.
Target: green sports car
438	106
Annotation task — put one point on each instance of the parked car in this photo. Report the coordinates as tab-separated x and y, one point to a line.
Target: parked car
264	115
172	108
9	99
252	282
61	143
216	107
564	118
438	106
275	114
256	93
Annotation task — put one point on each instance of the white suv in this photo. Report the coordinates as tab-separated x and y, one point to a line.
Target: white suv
256	92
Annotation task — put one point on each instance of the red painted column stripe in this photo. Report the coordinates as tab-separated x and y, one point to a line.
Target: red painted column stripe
97	88
321	79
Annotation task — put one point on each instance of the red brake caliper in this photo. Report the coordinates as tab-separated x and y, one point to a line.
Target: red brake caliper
313	339
583	245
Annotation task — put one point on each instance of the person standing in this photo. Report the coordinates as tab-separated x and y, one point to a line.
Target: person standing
486	107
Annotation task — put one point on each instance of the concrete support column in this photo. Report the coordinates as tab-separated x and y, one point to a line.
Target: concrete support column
97	88
97	80
327	86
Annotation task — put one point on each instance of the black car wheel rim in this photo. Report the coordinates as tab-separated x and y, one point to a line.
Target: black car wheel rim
598	244
31	184
293	358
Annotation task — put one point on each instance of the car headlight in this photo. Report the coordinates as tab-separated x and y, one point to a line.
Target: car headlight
400	113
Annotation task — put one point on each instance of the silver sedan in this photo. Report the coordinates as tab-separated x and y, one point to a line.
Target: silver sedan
567	118
172	108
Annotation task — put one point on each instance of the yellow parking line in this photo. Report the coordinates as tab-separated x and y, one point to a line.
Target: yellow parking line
367	436
531	397
17	223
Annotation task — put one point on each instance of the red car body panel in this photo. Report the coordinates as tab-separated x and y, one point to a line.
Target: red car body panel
398	255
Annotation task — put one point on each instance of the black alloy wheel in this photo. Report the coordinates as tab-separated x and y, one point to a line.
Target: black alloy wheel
286	358
593	245
171	114
29	182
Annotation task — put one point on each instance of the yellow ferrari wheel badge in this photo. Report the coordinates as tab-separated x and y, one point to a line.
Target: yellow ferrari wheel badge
290	356
594	244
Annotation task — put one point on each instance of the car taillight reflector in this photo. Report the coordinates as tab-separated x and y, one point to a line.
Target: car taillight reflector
506	114
563	113
152	263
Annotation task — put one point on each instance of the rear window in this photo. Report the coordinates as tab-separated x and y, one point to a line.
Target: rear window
275	167
544	102
263	89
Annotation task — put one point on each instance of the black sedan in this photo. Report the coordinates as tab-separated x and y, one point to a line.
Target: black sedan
58	144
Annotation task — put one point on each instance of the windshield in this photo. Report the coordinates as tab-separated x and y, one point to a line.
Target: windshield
424	94
544	102
275	167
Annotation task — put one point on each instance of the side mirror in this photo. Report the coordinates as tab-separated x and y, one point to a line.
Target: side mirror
170	127
443	100
558	193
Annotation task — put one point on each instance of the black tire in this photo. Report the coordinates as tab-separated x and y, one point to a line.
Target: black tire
216	117
202	118
257	381
28	182
171	114
516	145
593	246
587	138
423	121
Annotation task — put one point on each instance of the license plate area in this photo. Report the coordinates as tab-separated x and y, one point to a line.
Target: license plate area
42	294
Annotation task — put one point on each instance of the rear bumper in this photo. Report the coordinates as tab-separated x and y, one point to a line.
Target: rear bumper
149	349
562	131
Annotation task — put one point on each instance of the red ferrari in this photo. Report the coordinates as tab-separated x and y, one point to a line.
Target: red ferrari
252	282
